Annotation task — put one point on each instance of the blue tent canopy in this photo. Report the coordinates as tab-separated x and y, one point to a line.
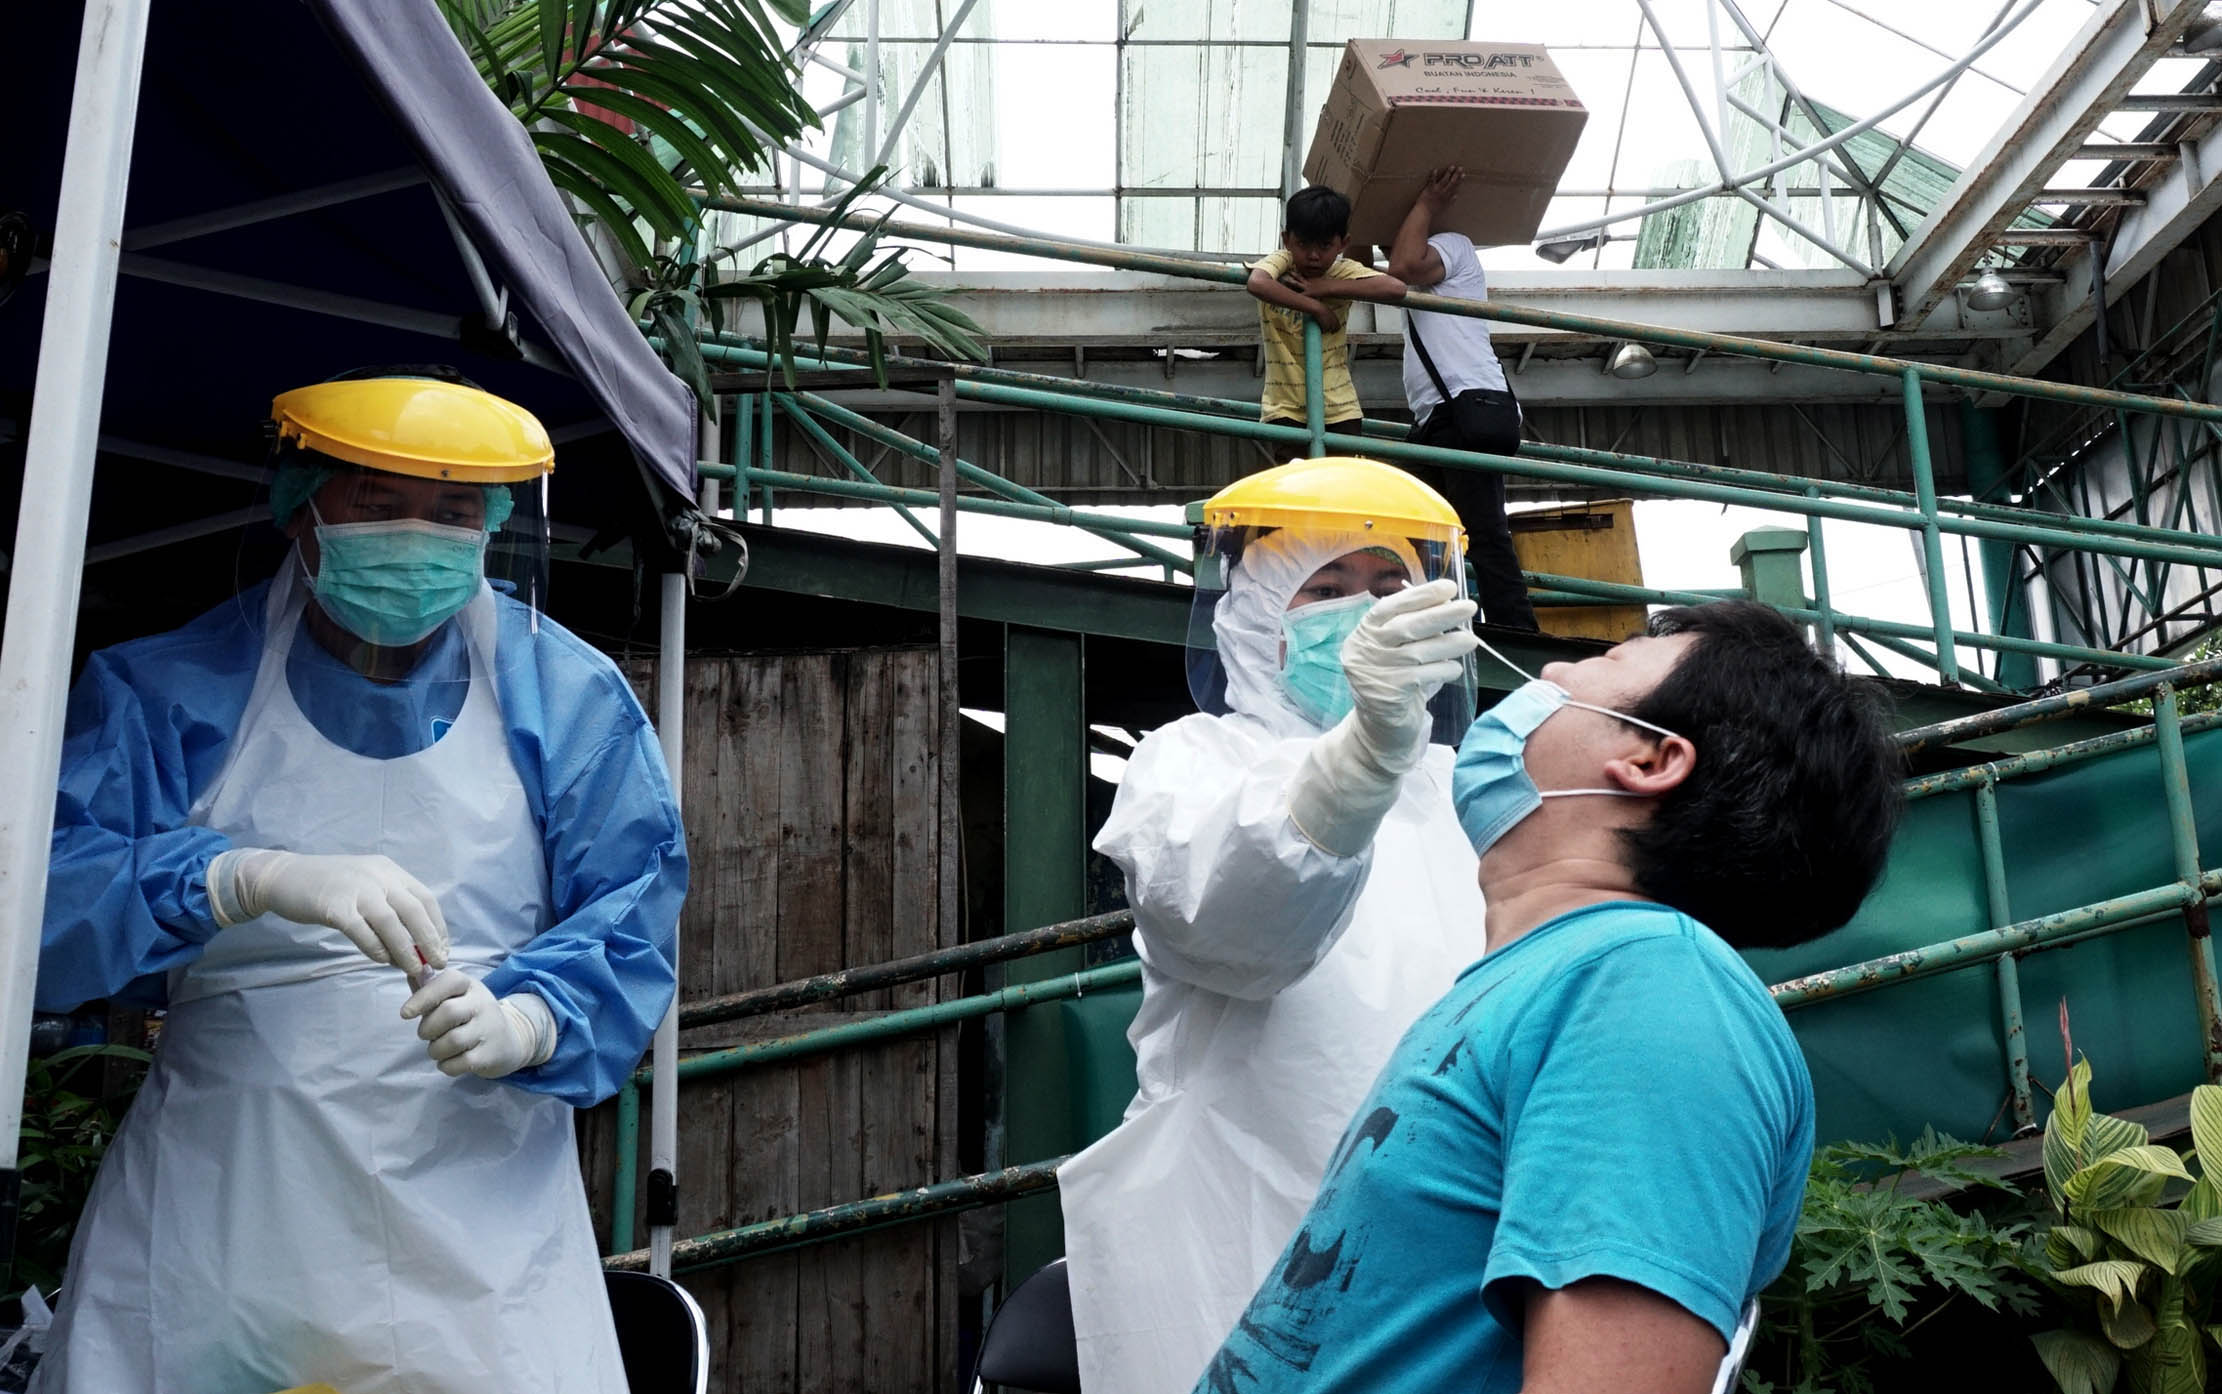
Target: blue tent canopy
316	187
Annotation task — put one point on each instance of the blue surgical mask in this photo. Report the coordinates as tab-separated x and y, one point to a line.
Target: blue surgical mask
1489	784
392	583
1311	664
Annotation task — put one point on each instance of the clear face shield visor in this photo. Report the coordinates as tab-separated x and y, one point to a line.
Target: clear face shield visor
1271	602
391	558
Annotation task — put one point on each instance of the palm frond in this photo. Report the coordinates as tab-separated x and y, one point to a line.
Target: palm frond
709	79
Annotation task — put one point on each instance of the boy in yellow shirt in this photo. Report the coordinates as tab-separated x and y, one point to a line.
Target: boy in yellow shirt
1300	281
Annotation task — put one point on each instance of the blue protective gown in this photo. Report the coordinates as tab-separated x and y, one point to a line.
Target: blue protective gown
150	722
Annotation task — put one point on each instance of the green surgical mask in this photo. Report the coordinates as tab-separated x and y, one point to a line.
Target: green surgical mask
392	583
1311	666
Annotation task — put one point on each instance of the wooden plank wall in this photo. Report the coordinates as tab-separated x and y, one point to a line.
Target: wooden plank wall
809	788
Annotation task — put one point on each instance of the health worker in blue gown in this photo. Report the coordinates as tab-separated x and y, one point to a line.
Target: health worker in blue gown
401	857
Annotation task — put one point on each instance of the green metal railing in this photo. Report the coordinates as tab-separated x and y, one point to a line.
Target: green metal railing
2003	945
2120	544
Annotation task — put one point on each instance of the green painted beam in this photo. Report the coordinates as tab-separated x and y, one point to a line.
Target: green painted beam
1045	879
1945	374
790	561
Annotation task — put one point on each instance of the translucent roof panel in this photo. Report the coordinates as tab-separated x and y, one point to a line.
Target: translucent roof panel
1163	123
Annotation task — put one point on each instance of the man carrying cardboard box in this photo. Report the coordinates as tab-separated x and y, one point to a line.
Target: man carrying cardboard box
1311	278
1458	393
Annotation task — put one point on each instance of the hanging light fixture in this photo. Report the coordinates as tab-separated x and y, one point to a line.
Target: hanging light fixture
1557	252
1990	291
1631	361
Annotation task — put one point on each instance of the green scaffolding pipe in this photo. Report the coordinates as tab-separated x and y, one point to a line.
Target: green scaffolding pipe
1932	542
1877	629
855	466
2037	761
1916	739
627	1182
750	352
988	479
957	958
852	1217
1315	403
908	1021
1592	326
2045	932
2183	837
1874	664
1928	658
1593	476
763	454
2011	1032
888	493
1931	959
1817	551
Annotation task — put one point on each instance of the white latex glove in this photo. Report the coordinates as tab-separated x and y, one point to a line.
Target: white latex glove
1399	656
385	911
473	1032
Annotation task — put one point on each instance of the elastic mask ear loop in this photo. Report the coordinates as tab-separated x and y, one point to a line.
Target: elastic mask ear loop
306	574
1574	702
1587	707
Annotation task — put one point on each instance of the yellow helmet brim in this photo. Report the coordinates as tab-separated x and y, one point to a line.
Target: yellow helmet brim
417	426
1337	494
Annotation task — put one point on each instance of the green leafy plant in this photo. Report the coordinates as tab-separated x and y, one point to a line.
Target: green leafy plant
66	1131
2138	1269
632	104
708	79
2191	700
874	295
1870	1264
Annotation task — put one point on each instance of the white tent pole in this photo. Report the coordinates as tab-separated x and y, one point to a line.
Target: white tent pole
671	716
50	535
663	1097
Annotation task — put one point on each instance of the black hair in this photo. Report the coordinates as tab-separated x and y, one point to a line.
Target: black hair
1784	825
1317	216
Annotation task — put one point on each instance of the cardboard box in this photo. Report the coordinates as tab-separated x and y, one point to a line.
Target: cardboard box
1399	109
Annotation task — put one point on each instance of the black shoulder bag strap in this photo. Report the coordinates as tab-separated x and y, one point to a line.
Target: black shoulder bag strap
1427	360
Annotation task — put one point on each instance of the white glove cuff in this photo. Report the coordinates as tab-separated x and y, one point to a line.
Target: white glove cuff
535	1023
223	888
1392	763
1340	794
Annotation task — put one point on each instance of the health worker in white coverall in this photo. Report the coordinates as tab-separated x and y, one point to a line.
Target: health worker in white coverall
1301	891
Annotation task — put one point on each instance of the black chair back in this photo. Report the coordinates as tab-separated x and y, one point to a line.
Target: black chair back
1030	1344
661	1334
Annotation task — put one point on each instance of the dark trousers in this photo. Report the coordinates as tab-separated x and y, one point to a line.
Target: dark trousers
1285	451
1478	495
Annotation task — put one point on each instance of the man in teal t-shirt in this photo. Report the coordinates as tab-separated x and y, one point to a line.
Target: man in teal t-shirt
1581	1164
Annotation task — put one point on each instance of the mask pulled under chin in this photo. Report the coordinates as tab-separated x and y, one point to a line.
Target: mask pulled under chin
392	583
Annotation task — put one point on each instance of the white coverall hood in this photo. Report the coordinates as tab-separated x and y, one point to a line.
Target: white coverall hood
1247	622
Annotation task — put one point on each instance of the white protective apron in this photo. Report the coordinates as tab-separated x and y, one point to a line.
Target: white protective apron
1175	1217
298	1194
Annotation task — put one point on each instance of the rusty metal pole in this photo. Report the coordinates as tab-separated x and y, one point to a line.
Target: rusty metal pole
2183	829
2011	1030
950	925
